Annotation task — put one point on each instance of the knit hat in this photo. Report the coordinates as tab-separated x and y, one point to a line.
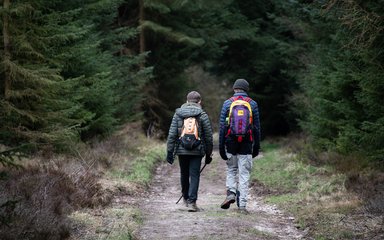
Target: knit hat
193	97
241	84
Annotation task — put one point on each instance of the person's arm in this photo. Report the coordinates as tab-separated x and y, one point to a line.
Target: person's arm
208	137
223	128
171	140
256	129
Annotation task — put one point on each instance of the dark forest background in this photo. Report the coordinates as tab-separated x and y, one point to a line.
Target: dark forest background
72	71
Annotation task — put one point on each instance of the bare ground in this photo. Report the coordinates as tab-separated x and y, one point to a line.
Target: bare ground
163	219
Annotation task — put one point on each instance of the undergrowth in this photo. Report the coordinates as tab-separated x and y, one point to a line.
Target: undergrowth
317	194
41	199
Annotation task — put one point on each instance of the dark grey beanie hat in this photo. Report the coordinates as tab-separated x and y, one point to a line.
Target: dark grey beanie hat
241	84
193	97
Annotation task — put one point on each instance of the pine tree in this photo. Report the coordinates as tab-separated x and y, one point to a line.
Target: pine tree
66	71
31	109
109	75
342	88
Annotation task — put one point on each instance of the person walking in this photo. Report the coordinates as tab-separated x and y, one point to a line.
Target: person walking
239	142
190	148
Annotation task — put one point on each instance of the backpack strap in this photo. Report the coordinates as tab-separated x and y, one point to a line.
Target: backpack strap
247	99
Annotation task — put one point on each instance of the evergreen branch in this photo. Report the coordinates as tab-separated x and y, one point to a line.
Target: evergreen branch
158	6
39	77
24	48
10	108
8	157
168	33
21	9
24	94
125	33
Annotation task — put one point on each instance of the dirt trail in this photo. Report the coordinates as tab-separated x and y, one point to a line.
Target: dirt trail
163	219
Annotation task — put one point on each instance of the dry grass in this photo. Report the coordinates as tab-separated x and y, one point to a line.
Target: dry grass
331	196
43	199
36	200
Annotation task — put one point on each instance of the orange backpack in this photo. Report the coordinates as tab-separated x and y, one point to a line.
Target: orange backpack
189	137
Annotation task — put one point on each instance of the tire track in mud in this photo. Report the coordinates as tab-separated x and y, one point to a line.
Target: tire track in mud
163	219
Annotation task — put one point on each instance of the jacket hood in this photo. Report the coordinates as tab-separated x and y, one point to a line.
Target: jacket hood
189	110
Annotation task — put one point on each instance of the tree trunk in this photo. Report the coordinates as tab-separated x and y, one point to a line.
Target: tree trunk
7	52
142	36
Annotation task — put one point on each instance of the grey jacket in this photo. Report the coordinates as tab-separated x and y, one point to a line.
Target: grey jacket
205	131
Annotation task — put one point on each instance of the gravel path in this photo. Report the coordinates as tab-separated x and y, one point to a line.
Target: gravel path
163	219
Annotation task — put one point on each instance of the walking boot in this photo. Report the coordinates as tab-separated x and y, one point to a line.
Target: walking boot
243	210
231	198
192	207
185	202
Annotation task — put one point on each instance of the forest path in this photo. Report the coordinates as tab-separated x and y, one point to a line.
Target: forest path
163	219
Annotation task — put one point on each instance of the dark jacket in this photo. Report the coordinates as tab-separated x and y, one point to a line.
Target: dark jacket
205	131
232	146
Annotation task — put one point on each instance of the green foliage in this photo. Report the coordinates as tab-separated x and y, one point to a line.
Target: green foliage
108	80
230	40
343	85
267	58
33	109
76	70
68	76
8	157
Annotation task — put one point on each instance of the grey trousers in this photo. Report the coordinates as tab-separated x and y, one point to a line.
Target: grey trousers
238	173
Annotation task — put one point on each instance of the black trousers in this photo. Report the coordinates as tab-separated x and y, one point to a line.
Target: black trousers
190	176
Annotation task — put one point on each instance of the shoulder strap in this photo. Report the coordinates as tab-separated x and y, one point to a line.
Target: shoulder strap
247	99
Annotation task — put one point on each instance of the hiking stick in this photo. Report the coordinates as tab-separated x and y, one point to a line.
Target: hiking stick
182	194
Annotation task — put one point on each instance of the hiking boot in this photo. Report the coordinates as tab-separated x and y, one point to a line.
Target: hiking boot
231	198
243	210
185	202
192	207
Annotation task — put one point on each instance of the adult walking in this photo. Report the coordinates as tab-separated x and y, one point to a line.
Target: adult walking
190	147
239	142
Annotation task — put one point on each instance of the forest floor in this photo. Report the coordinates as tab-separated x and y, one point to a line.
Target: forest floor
154	214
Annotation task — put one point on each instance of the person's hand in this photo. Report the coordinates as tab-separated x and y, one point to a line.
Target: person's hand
170	157
208	159
223	154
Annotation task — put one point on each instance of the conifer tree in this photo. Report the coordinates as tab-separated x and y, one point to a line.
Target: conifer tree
32	110
65	71
343	93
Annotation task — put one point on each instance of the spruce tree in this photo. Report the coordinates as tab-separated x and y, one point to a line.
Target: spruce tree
31	108
342	88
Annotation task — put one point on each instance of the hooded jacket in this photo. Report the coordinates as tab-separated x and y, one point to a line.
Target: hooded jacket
205	131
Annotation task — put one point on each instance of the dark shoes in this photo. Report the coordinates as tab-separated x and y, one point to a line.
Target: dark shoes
231	198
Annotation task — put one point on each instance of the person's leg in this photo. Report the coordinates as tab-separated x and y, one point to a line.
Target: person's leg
184	175
231	182
194	174
232	169
245	167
